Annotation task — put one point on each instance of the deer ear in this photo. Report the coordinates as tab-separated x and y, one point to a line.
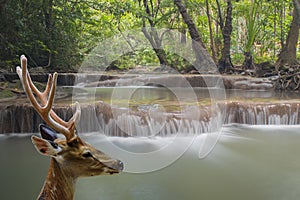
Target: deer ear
47	132
45	147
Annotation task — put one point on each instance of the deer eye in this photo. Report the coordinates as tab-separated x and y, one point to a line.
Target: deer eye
87	154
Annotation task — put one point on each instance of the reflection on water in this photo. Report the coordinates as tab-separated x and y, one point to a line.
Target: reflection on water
249	162
148	95
168	97
135	97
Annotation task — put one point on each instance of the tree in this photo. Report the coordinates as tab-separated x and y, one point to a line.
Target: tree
151	34
211	37
47	31
203	59
60	33
297	6
287	55
224	63
252	31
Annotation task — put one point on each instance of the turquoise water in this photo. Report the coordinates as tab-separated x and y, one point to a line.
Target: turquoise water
248	162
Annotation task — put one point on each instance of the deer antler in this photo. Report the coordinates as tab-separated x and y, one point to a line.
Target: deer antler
46	98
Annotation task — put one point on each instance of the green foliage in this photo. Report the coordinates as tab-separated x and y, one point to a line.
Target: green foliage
260	27
251	17
46	31
6	94
61	33
143	57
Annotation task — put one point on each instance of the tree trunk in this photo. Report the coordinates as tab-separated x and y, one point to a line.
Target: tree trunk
155	42
225	64
248	61
189	22
287	55
48	16
212	46
153	37
297	7
203	58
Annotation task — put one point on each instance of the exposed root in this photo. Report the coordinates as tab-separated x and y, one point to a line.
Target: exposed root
289	79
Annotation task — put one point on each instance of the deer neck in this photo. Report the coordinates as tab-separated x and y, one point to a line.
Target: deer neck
59	184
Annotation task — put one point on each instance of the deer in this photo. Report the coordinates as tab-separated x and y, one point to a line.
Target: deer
70	156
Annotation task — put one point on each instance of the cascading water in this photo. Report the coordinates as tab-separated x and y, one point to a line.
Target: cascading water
121	122
145	124
282	113
114	121
248	162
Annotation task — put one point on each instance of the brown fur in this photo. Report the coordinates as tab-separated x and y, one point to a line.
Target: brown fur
70	163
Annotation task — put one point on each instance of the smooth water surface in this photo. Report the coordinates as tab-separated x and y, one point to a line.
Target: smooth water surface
248	162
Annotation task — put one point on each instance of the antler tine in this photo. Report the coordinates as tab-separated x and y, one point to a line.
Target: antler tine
76	116
42	95
46	100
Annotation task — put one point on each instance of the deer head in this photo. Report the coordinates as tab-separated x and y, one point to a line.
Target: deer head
71	157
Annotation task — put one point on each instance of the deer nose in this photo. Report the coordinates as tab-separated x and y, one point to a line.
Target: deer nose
116	165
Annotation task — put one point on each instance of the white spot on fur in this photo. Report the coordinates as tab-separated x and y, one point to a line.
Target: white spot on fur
54	188
59	159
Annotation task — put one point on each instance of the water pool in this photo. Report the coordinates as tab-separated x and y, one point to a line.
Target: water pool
248	162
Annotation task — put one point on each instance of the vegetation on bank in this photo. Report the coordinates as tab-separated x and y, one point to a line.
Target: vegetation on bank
14	89
262	36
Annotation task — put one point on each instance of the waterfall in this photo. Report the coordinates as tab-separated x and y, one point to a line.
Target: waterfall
121	122
262	113
18	119
114	121
22	118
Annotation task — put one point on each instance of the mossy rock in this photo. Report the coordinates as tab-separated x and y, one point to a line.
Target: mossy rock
6	94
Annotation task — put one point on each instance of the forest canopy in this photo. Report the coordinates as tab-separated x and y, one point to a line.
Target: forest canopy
57	35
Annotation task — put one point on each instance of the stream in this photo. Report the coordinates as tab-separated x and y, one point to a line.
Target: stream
243	147
248	162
